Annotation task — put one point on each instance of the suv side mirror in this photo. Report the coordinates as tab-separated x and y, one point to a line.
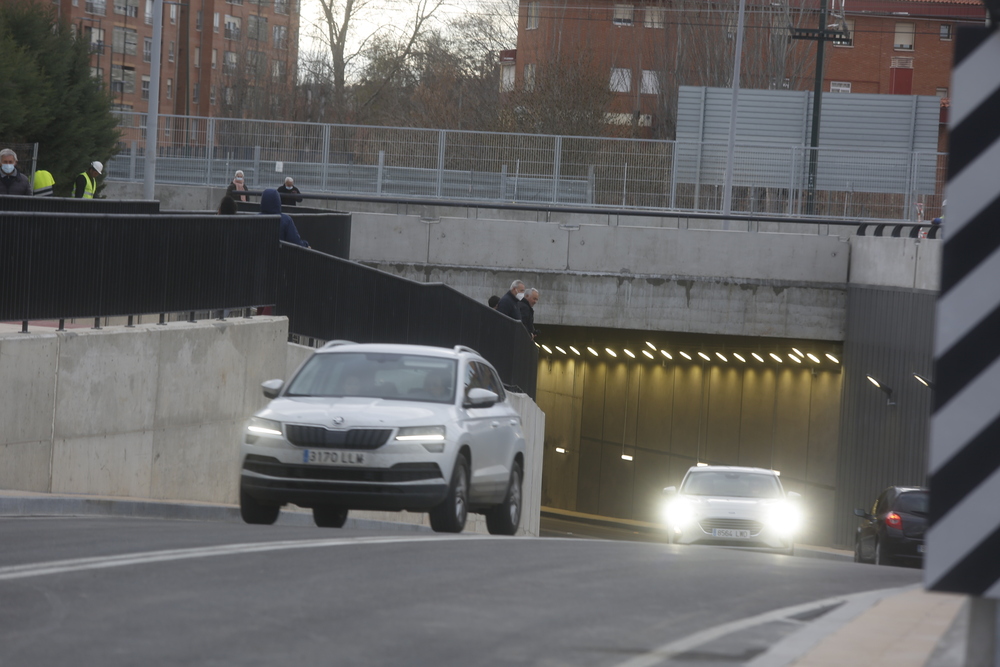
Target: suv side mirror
480	398
670	490
272	387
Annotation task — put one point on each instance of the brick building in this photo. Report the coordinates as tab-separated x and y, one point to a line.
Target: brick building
215	54
648	49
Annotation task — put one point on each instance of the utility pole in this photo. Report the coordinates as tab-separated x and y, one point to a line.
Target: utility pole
821	36
153	112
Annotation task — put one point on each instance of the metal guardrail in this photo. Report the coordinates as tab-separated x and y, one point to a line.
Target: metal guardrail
330	298
854	184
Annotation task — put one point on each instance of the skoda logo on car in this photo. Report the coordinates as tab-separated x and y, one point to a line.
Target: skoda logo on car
337	421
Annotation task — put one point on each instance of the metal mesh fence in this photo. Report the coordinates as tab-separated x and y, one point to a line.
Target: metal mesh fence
850	184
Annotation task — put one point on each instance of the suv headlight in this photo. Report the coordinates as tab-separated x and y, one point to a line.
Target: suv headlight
431	437
680	513
261	426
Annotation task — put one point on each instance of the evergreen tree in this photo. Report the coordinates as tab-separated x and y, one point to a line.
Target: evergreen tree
47	94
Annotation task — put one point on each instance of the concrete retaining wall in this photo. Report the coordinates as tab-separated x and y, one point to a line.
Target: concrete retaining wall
157	412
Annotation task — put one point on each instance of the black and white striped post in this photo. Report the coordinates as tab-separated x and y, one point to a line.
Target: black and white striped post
963	540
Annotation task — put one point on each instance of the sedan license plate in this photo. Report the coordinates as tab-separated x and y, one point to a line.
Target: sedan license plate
332	457
728	532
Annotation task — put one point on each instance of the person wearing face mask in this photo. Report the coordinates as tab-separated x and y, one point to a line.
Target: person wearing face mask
527	307
12	182
509	302
237	184
85	185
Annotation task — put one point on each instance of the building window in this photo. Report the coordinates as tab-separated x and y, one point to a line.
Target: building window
145	87
942	93
621	80
840	86
281	6
149	12
278	70
280	34
97	73
506	78
534	13
197	21
903	40
945	32
173	14
170	53
229	62
211	95
257	28
227	95
233	25
170	89
234	2
127	7
623	15
654	17
650	82
96	38
197	56
529	77
124	40
257	64
95	7
122	79
195	93
147	49
849	40
215	58
215	22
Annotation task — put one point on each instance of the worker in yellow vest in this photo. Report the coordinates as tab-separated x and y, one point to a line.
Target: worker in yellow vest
43	183
85	184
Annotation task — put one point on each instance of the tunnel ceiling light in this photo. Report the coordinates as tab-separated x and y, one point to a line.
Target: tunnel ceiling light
757	357
537	345
685	355
813	358
887	390
704	356
776	358
546	348
574	350
721	356
922	380
592	351
560	450
651	346
832	358
647	353
629	353
666	354
777	473
795	359
739	356
796	351
611	352
626	457
560	349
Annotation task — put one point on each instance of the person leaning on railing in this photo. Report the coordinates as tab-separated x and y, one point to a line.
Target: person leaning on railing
12	181
270	204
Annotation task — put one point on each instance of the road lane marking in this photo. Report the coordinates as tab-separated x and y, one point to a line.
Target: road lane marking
850	606
104	562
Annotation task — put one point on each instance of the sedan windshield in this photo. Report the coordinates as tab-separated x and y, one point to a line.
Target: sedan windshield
406	377
731	484
914	502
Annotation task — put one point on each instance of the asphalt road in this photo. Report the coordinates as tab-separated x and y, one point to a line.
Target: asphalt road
213	593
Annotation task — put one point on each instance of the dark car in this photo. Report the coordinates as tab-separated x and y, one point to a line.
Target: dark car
893	533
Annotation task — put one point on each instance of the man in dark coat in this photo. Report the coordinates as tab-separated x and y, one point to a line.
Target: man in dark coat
508	304
12	182
288	193
527	306
270	204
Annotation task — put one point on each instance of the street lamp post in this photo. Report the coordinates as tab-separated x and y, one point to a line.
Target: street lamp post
153	112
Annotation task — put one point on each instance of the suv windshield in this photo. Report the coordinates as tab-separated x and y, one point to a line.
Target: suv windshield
731	484
407	377
913	502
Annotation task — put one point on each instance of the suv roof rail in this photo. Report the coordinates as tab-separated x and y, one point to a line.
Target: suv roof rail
335	343
464	348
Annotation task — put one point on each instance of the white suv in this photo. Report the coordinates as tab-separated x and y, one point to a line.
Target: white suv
386	427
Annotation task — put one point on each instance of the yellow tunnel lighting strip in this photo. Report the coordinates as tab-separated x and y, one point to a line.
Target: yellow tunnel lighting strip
795	359
629	353
776	357
651	346
575	351
721	356
560	349
592	351
813	358
646	352
704	356
611	352
546	348
666	354
832	358
739	356
685	355
757	357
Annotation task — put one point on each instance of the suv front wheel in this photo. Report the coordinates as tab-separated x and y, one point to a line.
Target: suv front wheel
505	517
450	515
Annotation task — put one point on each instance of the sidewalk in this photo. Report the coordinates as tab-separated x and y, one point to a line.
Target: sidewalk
908	628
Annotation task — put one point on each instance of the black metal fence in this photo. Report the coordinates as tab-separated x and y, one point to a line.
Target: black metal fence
330	298
58	266
73	205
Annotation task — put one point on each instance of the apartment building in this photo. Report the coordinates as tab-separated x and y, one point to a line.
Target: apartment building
218	57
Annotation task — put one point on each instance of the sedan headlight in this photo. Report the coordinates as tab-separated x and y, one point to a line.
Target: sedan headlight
784	517
261	426
431	437
680	513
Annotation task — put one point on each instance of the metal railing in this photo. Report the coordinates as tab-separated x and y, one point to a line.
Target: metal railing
852	184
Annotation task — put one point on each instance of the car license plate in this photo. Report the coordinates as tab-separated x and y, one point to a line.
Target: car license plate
728	532
331	457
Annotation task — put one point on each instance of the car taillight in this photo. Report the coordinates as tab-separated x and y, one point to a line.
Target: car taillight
893	520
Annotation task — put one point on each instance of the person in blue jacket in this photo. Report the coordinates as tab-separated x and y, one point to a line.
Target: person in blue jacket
270	204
